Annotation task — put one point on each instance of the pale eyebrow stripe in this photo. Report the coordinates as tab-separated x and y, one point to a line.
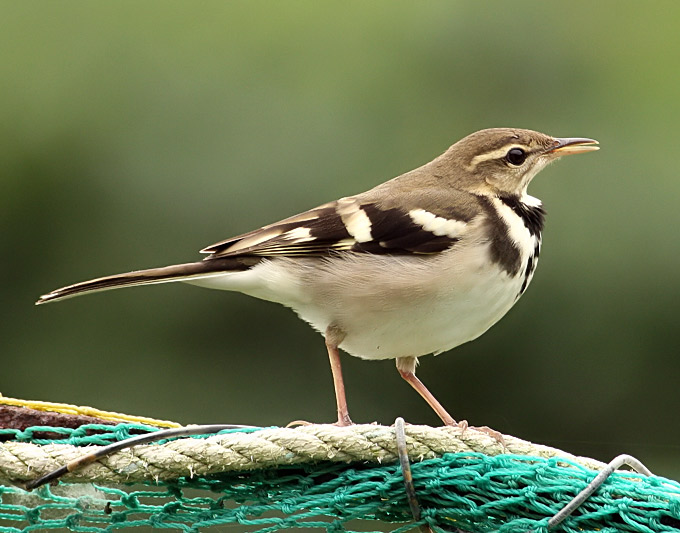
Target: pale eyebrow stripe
495	154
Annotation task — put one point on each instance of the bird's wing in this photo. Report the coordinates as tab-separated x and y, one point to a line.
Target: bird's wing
403	222
355	224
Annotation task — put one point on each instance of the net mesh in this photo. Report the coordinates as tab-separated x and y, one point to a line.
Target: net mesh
456	492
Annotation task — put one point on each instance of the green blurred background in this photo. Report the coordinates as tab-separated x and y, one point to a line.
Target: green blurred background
132	134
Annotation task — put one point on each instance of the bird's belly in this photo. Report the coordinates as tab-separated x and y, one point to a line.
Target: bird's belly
387	309
424	325
385	315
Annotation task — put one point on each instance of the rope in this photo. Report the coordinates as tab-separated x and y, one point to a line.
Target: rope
83	410
264	448
322	476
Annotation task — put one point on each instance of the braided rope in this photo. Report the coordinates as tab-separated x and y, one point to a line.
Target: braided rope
265	448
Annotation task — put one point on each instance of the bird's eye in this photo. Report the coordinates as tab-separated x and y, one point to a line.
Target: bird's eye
516	156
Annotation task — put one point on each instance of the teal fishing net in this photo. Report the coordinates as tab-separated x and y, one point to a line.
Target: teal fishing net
457	492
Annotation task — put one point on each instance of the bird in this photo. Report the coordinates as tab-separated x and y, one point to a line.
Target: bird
417	265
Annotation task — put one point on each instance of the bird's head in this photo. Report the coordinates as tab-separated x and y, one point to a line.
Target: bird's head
502	161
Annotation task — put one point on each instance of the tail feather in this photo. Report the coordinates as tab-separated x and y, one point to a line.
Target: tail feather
183	272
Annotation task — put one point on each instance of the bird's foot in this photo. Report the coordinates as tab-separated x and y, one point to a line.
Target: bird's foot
297	423
342	422
496	435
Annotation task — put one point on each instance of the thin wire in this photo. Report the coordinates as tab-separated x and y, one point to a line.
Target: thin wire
595	484
105	451
402	452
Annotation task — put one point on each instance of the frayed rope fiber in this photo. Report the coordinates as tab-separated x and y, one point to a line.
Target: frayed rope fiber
318	476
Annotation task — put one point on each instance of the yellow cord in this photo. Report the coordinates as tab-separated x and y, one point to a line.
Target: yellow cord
69	409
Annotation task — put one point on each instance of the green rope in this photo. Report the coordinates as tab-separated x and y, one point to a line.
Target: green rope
85	435
457	492
92	434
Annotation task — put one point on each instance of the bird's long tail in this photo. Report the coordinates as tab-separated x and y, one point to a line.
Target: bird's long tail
183	272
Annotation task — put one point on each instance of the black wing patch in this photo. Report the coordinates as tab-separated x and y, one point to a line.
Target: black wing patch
336	227
394	232
314	232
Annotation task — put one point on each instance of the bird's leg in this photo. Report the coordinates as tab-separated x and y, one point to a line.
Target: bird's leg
334	336
407	368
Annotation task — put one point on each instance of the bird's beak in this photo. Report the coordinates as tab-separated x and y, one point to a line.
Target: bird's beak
573	145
